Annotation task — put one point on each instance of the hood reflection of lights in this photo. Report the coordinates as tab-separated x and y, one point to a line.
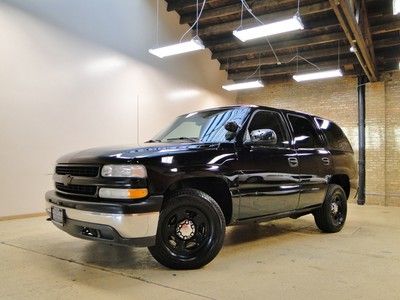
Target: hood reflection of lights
217	158
167	159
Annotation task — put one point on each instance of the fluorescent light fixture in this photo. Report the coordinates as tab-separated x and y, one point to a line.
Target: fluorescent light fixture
243	85
192	45
287	25
396	7
318	75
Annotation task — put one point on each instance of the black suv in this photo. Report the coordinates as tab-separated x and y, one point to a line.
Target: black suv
208	169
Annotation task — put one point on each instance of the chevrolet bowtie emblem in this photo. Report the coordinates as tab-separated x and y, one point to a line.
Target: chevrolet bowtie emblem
67	179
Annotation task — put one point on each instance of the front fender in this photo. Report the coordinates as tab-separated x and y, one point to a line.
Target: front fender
160	180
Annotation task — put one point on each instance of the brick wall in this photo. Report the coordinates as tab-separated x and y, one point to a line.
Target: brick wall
375	128
392	137
336	99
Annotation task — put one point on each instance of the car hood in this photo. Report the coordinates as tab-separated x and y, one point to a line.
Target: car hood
133	153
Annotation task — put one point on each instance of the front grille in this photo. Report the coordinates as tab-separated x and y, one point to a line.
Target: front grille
84	171
87	190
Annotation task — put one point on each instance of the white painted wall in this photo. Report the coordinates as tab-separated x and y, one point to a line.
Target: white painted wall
70	74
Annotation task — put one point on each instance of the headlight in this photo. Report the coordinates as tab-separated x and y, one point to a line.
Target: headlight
138	171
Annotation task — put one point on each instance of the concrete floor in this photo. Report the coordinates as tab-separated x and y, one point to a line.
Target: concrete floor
285	259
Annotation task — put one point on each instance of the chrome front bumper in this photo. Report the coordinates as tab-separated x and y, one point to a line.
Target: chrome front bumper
138	228
128	226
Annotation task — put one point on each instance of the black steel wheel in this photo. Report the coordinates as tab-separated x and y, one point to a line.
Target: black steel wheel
190	232
331	216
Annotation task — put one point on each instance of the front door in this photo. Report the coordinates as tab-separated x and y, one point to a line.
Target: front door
268	182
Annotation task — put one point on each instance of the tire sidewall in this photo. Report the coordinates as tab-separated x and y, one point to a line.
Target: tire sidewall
333	191
207	205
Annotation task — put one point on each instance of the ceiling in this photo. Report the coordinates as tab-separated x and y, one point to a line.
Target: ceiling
324	34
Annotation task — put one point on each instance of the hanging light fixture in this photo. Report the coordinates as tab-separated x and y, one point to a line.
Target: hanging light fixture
243	85
246	84
182	47
265	30
287	25
318	75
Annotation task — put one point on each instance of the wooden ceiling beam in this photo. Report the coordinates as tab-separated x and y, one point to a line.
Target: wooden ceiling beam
353	32
271	60
386	43
314	40
185	4
383	55
272	17
291	69
189	6
260	6
385	28
320	26
309	54
234	43
366	30
264	49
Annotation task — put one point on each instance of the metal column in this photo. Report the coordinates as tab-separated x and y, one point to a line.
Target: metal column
362	80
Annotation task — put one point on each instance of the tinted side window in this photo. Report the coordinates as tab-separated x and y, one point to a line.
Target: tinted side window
269	120
337	140
305	135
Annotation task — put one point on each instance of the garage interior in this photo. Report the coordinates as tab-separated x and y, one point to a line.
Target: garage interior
78	74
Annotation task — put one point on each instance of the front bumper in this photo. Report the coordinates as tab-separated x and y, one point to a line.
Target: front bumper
117	223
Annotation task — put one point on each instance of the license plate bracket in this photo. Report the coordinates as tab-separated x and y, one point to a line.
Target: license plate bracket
58	215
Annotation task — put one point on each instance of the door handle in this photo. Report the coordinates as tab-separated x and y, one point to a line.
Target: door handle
293	162
326	161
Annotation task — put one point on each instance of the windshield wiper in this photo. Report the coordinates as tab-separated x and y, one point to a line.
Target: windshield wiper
183	138
153	141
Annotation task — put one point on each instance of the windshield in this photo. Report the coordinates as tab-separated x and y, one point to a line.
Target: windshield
203	126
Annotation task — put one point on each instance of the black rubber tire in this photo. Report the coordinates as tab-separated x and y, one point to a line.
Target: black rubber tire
324	217
185	201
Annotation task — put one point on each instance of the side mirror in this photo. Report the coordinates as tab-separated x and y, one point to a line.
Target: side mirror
263	137
231	126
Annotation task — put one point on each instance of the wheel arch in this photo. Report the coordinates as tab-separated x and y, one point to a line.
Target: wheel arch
342	180
216	187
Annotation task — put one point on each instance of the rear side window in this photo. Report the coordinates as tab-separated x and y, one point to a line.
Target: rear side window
305	135
337	140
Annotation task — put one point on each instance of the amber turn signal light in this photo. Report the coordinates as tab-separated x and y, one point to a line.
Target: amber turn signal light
137	193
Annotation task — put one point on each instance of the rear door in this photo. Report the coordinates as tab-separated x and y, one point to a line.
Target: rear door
315	162
268	182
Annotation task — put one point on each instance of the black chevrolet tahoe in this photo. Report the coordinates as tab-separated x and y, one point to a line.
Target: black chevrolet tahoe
225	166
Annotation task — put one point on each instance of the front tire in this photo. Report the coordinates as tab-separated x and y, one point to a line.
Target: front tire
191	231
331	216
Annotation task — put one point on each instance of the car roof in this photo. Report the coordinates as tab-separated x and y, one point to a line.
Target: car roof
255	107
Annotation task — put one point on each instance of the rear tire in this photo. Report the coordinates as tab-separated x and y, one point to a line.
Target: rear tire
191	230
331	216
